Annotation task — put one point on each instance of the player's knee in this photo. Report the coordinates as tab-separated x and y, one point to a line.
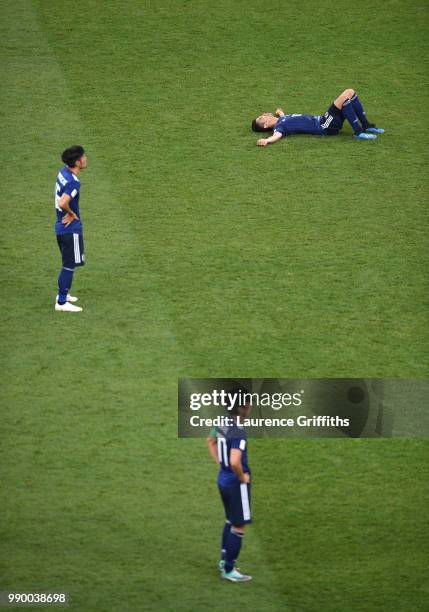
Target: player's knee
348	93
237	529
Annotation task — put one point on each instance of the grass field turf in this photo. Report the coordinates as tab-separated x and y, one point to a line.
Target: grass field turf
208	256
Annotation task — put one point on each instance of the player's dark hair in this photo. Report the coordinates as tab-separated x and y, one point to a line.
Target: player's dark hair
71	155
256	127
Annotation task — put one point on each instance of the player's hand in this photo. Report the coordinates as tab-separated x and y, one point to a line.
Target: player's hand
279	112
246	478
262	142
68	218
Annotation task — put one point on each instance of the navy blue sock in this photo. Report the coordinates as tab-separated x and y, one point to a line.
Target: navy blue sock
225	534
65	279
233	546
350	115
359	111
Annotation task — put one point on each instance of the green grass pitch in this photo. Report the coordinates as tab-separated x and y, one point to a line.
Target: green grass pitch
207	256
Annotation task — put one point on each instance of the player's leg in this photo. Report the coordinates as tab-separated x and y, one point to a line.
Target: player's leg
360	112
239	514
65	279
226	526
233	546
67	246
347	94
344	103
225	533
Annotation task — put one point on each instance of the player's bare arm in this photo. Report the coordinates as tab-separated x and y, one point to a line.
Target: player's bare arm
212	446
64	205
237	466
263	142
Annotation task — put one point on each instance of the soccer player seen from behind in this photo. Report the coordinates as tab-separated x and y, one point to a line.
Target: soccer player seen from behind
346	107
228	447
68	226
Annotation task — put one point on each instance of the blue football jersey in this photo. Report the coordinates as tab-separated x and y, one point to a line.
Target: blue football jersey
227	439
299	124
67	182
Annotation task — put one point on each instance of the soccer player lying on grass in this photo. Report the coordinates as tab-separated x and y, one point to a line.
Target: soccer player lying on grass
228	447
346	106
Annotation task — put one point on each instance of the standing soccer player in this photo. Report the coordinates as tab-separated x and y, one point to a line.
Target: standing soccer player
68	226
228	447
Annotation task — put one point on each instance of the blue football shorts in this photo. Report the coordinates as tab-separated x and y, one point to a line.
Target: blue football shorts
237	503
72	251
332	121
